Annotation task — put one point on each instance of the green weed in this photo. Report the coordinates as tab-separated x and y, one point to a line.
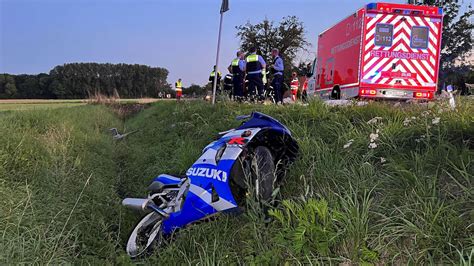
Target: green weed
397	189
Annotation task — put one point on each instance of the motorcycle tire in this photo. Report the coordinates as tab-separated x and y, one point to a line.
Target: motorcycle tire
264	173
145	235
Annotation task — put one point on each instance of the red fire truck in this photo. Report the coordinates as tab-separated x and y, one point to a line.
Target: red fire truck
383	50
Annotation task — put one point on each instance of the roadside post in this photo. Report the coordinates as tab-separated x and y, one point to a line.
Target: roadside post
224	8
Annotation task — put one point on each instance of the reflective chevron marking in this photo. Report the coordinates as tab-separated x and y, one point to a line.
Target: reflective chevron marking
422	63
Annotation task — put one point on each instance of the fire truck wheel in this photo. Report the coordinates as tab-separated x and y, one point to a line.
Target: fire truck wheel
336	93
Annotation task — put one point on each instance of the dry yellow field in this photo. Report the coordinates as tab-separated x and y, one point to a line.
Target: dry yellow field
32	104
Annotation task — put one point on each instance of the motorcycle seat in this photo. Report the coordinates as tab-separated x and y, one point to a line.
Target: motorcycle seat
165	181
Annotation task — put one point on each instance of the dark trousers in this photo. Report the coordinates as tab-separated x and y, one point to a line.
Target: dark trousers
304	96
218	88
277	83
237	80
255	82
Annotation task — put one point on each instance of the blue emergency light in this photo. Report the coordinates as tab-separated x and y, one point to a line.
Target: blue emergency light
371	6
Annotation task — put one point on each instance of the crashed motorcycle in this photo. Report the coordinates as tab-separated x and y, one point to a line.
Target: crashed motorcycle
253	156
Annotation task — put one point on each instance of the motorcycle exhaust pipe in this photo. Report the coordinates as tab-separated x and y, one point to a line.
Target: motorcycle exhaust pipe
136	204
143	205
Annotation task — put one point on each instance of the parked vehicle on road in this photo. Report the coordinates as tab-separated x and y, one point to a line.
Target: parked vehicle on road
382	50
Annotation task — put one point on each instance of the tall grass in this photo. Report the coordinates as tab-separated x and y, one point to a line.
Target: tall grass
401	195
57	181
405	201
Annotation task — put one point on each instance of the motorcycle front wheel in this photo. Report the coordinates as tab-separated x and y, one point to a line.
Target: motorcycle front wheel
263	172
145	235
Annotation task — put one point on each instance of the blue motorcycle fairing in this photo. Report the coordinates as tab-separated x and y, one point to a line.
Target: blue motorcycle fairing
198	203
210	178
217	144
260	120
194	209
209	173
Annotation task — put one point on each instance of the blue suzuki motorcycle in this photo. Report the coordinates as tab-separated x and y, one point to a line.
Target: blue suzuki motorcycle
254	156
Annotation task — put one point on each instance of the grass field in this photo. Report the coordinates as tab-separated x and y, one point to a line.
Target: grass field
373	185
39	104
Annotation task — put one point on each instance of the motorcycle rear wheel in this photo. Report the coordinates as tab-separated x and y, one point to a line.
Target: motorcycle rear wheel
145	235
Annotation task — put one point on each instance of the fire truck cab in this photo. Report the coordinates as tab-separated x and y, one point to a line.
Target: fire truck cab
383	50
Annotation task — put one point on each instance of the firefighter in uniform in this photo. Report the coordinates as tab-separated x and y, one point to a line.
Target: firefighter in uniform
179	89
211	79
237	68
294	85
277	72
255	65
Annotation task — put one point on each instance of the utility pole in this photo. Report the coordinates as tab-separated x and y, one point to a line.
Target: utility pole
224	8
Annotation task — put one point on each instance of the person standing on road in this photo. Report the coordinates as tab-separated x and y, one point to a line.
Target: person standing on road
304	92
218	80
294	85
277	71
179	89
237	68
254	65
228	87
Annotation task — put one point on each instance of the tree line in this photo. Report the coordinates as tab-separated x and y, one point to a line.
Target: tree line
83	80
457	41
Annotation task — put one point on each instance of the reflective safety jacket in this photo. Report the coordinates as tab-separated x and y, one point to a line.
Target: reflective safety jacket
213	73
253	64
235	67
294	84
179	86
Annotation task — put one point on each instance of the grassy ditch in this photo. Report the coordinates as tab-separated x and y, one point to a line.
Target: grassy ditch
373	184
57	181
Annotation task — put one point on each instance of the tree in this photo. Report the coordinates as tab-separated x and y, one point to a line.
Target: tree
57	89
81	80
303	68
470	76
10	90
288	37
44	81
194	90
28	86
7	86
457	41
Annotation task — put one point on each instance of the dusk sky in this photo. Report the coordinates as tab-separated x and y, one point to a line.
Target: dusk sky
180	35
